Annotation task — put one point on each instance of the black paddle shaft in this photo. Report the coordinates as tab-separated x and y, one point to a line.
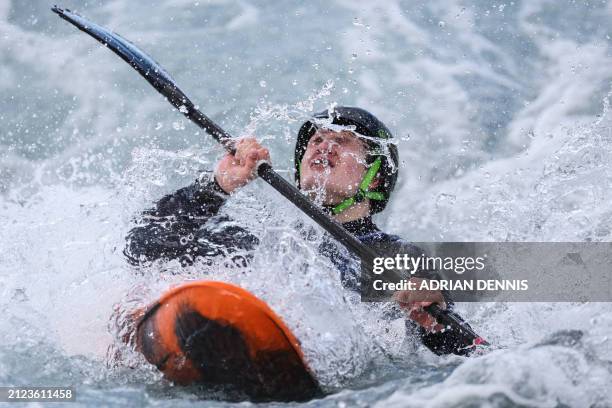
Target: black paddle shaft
163	82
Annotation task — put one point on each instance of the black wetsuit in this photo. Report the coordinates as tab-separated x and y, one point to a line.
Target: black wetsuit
186	226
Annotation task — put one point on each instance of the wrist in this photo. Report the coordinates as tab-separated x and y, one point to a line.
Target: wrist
218	187
436	328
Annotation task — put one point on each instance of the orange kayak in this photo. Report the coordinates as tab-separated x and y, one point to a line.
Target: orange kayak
215	333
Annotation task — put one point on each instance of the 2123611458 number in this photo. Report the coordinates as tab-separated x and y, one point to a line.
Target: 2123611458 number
37	394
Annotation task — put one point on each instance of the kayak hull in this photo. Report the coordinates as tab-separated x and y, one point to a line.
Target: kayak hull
219	334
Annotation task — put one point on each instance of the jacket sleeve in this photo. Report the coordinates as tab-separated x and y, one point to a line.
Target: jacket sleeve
176	228
448	341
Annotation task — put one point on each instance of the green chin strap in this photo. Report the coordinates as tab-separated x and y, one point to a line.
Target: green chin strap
363	192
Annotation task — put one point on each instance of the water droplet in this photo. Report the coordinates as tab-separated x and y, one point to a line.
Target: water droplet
182	169
263	83
441	24
354	56
445	199
20	295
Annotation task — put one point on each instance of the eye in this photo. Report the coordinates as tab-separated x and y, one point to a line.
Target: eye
316	140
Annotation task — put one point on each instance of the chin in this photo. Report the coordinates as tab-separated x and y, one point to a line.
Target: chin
314	180
313	188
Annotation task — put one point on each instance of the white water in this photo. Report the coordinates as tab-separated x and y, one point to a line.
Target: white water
501	112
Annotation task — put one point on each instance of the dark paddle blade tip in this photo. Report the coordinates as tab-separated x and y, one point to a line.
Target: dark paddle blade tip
58	10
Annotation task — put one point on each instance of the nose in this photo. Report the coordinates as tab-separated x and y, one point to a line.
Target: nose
326	146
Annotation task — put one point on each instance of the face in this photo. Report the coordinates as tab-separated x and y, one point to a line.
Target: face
333	165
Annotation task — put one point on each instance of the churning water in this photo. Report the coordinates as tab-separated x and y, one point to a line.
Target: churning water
501	112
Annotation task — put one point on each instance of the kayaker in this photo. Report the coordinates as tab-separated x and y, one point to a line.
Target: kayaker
344	160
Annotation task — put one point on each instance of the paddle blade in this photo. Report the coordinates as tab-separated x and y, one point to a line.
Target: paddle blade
151	71
138	59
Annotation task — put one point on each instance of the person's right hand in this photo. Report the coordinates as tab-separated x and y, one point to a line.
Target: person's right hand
236	170
415	301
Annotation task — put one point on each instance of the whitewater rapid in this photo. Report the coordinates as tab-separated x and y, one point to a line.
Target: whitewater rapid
501	112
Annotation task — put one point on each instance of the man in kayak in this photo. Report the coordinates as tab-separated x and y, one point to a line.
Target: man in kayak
343	160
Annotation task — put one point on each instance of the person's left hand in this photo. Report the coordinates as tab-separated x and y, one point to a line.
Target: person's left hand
414	301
